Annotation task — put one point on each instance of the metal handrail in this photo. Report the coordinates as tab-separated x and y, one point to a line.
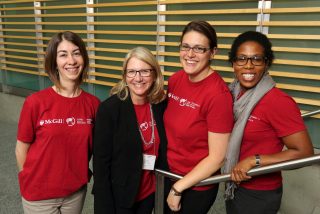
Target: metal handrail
311	113
286	165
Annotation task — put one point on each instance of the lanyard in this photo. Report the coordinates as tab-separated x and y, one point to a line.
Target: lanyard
152	138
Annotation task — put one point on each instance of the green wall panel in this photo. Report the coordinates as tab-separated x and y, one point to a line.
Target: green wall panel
23	80
311	123
313	129
47	82
102	92
31	82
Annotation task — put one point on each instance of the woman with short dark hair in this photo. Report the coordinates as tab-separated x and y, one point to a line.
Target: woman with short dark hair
198	121
50	63
54	143
266	119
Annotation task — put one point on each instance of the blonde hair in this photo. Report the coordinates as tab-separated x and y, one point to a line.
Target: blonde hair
156	93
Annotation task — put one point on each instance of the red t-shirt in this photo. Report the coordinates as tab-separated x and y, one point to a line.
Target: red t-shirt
60	130
147	181
276	115
194	109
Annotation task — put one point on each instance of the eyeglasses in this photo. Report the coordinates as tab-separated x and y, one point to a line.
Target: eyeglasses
143	73
197	49
255	60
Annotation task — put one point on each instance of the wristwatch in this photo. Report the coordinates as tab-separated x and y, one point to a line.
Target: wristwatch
257	160
175	192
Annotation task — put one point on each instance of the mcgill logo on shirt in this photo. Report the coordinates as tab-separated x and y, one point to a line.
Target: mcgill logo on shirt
252	118
51	121
145	125
183	102
69	121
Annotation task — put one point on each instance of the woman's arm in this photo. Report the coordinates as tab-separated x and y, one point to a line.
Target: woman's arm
299	146
102	155
22	149
218	143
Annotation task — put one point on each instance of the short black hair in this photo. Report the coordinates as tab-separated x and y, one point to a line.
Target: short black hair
252	36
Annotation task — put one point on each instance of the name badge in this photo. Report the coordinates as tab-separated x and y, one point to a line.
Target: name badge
148	162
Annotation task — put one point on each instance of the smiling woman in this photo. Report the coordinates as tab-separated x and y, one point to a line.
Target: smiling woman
198	121
266	119
130	139
249	64
139	79
69	62
54	143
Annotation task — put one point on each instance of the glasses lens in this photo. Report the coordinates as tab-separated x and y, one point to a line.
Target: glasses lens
257	60
241	60
145	73
198	49
131	73
184	47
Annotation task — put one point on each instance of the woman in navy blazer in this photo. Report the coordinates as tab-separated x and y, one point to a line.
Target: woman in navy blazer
120	183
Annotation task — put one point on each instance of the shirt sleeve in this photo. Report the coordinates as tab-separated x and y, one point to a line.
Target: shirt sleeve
220	113
27	122
285	116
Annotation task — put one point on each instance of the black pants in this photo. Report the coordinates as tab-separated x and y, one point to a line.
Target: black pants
196	202
145	206
254	201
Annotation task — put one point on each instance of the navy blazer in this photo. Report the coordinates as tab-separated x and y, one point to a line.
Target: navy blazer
117	153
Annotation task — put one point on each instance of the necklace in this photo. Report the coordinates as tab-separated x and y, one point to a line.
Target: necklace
152	124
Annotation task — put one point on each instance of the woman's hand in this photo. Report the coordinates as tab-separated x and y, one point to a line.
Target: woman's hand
174	202
218	143
239	171
299	146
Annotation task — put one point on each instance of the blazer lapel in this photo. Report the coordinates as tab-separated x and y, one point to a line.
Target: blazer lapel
132	123
159	121
158	111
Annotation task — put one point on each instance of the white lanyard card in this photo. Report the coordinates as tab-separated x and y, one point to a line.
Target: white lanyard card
148	162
